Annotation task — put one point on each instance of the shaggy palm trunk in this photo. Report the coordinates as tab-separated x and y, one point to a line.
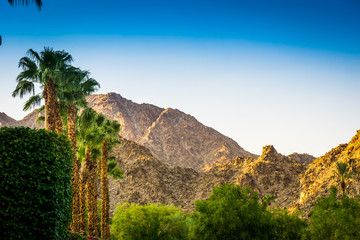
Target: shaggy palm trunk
52	109
343	186
91	199
49	110
105	205
58	121
75	181
84	175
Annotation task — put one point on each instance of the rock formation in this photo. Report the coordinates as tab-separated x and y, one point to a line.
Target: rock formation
303	158
319	176
147	179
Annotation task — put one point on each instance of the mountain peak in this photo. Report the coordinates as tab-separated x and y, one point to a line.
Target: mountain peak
268	152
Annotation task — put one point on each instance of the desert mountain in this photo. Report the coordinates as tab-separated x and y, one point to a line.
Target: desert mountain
148	180
172	136
6	121
303	158
28	121
318	178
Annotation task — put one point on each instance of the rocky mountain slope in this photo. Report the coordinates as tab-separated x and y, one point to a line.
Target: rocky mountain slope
147	179
303	158
318	177
172	136
6	121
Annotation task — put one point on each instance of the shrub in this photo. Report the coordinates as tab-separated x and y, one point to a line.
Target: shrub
232	212
148	222
35	176
335	219
288	226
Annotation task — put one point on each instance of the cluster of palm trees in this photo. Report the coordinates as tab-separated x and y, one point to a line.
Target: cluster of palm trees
64	91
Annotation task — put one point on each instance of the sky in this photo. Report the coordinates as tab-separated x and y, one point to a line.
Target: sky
279	72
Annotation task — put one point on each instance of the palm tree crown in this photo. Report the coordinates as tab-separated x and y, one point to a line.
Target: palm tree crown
43	68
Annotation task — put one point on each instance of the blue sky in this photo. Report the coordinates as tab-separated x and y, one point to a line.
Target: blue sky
261	72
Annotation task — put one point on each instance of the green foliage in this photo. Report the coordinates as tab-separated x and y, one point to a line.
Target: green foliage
335	219
35	177
232	212
148	222
114	171
288	226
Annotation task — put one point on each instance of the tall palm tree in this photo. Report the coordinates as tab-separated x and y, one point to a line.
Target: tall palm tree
72	89
111	130
343	173
42	68
90	137
26	2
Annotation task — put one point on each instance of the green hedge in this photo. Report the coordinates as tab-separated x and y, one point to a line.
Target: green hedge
35	177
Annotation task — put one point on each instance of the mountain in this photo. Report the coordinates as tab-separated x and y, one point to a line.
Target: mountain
319	176
6	121
28	121
172	136
148	180
303	158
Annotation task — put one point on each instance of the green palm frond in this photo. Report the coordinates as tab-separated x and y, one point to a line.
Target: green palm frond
41	109
23	87
116	173
32	102
27	63
40	120
26	2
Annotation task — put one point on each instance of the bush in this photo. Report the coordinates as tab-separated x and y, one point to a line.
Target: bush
148	222
335	219
288	226
35	177
232	212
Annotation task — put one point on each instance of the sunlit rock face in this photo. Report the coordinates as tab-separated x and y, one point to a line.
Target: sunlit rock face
303	158
147	179
320	176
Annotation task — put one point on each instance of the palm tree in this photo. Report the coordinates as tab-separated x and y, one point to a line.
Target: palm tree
90	137
72	90
44	69
343	173
111	130
26	2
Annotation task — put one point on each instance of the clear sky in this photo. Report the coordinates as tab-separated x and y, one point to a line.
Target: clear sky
276	72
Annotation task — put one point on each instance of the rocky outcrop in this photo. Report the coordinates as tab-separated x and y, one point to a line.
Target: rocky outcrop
271	173
302	158
319	176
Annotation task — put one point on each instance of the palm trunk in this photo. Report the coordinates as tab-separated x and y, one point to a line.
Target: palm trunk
50	105
75	183
91	199
105	204
58	121
82	190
